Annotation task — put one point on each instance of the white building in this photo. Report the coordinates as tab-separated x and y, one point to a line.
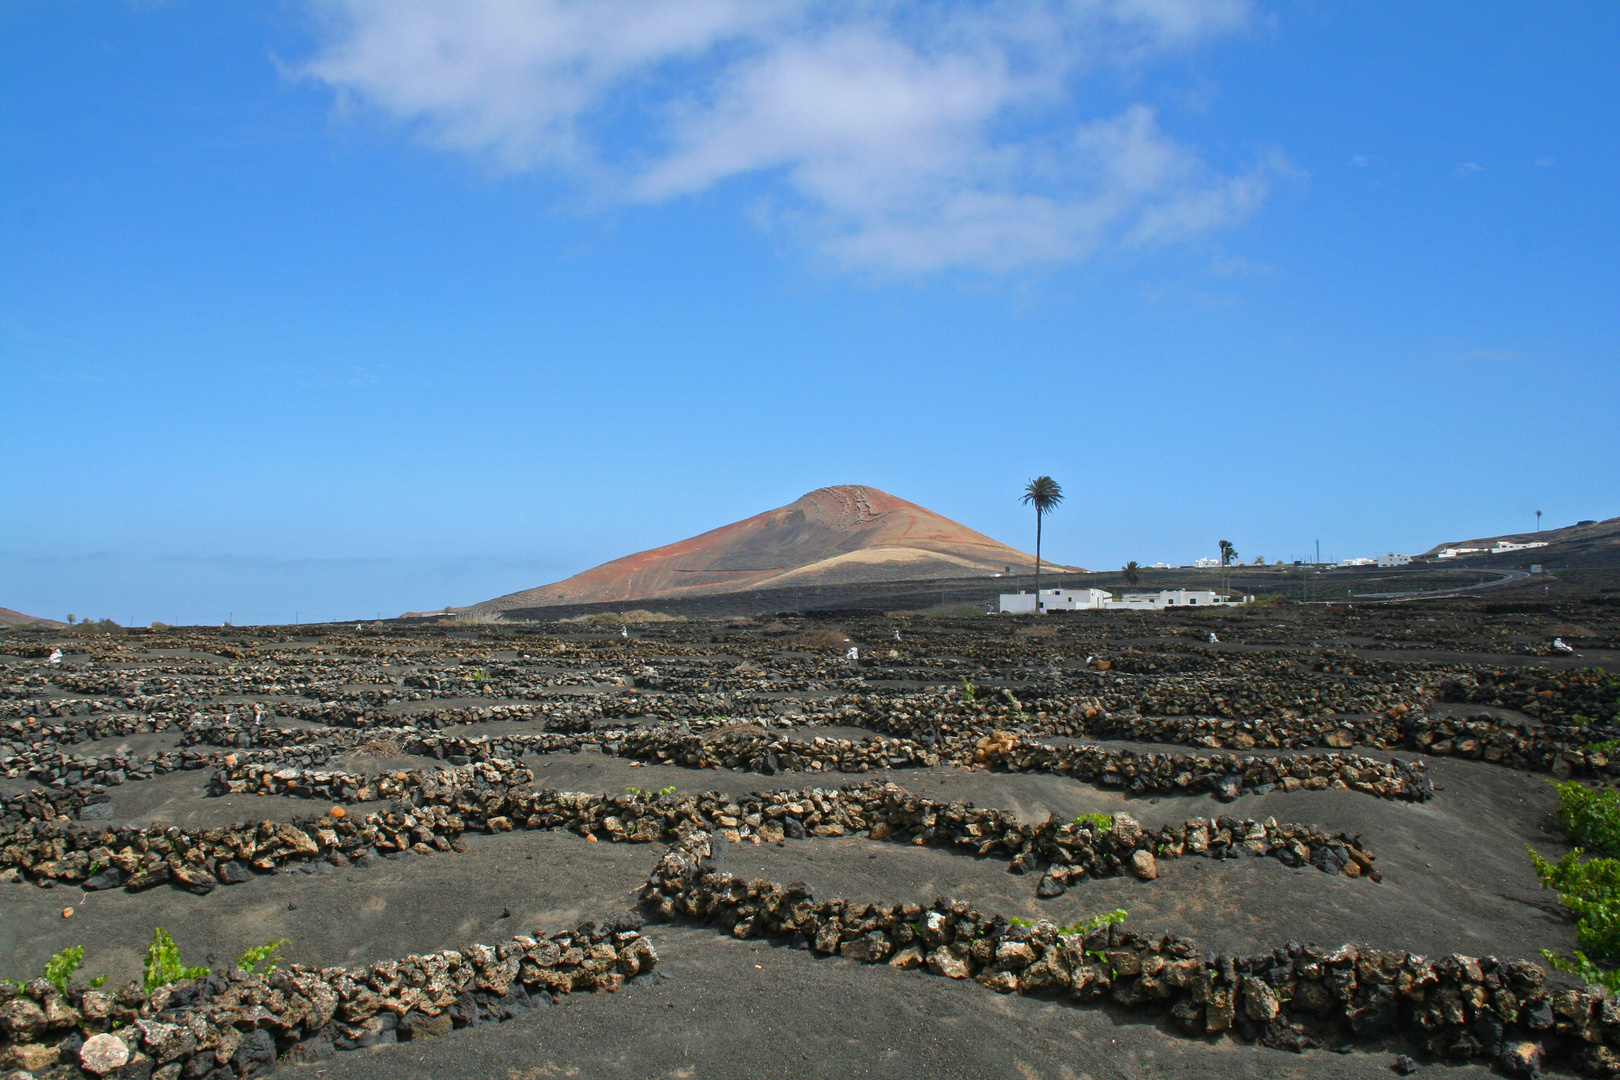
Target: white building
1457	552
1393	559
1206	564
1168	598
1022	603
1098	599
1356	562
1501	547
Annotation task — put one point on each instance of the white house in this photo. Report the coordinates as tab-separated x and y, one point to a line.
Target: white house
1501	547
1055	600
1356	562
1453	553
1022	603
1393	559
1168	598
1206	564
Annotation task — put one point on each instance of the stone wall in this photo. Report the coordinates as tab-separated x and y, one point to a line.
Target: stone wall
436	809
236	1024
1294	997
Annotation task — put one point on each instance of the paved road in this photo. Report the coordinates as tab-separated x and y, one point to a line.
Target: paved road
1506	576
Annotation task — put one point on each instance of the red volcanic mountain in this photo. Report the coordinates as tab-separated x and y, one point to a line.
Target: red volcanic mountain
17	618
835	535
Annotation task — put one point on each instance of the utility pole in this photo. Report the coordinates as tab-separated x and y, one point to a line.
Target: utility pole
1318	554
1538	521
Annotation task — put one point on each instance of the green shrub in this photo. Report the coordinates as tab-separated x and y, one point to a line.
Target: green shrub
1084	926
1592	891
1590	815
1098	822
163	964
59	970
667	790
969	693
261	954
1096	922
1607	746
1583	968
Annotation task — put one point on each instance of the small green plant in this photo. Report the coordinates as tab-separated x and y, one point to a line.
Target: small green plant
59	970
1019	922
635	791
1591	890
1096	922
1590	815
667	790
479	675
261	954
969	691
163	964
1607	746
1580	720
1583	968
1098	822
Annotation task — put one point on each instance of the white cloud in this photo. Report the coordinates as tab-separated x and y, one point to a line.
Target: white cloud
891	137
1545	161
1469	168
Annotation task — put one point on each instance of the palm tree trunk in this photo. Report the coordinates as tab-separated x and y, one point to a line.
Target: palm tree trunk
1037	561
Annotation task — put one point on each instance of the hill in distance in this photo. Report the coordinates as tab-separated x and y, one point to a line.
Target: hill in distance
1594	543
17	618
832	536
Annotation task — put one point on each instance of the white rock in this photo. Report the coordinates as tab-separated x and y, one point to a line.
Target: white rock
102	1054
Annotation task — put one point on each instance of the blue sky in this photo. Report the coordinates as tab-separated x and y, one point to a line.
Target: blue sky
343	308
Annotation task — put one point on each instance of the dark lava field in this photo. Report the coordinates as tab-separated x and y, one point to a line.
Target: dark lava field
1280	841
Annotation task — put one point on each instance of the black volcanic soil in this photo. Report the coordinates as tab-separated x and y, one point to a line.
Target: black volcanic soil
1455	878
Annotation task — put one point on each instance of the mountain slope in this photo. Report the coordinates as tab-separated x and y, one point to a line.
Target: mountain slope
17	618
833	535
1593	544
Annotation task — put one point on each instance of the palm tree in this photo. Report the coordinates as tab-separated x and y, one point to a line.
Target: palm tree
1228	557
1043	494
1133	573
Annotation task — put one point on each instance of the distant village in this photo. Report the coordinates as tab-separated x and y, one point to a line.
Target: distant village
1103	600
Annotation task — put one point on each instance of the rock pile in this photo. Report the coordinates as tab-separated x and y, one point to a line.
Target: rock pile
1226	775
1293	998
436	808
237	1025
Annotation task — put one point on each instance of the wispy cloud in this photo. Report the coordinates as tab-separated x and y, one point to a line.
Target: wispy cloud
1545	161
1469	168
1492	356
889	137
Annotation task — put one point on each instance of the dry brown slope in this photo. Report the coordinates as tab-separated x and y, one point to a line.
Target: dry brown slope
833	535
17	618
1594	544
